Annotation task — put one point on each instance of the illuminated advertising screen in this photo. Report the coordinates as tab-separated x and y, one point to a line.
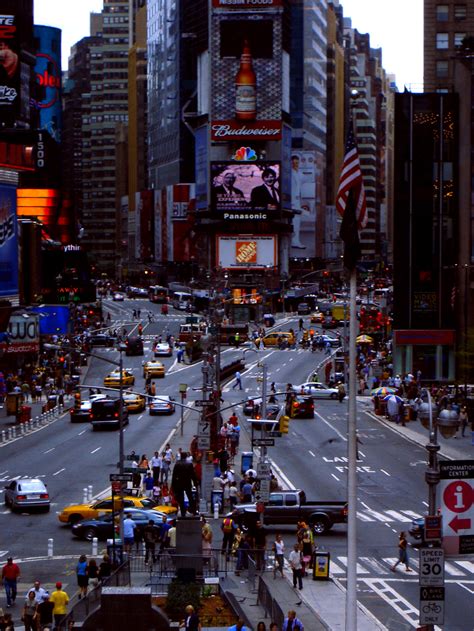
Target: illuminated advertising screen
8	241
247	251
245	190
10	65
47	93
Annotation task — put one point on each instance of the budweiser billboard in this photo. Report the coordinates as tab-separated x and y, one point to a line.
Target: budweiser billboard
246	70
247	252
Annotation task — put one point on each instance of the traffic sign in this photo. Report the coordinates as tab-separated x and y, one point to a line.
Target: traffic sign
121	477
116	487
433	528
263	442
204	442
264	470
183	388
200	403
432	605
263	493
274	434
456	501
431	567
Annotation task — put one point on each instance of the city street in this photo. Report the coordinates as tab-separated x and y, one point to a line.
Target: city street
392	491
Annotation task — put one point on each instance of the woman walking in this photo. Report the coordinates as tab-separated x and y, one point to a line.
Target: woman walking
279	549
81	573
402	552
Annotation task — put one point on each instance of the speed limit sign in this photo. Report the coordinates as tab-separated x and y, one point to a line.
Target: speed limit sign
431	567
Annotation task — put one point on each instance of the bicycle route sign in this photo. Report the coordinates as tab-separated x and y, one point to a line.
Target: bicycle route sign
456	500
431	567
431	605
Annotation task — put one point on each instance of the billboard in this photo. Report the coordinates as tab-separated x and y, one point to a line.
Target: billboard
54	319
8	241
10	65
246	190
23	334
47	94
247	252
246	70
246	4
303	203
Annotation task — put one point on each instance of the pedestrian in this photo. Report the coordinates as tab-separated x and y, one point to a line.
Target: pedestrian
39	591
155	464
273	627
464	420
260	540
150	536
402	552
129	527
238	626
341	392
296	566
60	600
279	550
92	574
233	419
261	626
228	528
45	612
182	480
233	494
29	616
292	623
10	575
206	538
148	484
238	381
191	621
164	535
81	573
105	568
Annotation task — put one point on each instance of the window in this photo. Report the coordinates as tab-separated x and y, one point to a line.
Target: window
458	39
460	12
442	13
291	500
442	41
442	69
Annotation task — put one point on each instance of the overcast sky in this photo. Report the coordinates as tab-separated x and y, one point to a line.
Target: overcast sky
401	39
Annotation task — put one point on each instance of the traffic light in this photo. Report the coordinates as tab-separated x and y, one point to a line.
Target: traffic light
77	401
284	424
61	359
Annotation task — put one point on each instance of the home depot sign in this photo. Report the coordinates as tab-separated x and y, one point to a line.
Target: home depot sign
247	252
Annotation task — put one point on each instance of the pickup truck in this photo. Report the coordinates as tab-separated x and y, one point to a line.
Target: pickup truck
290	507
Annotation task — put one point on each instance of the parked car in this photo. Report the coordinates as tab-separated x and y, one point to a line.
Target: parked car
103	527
317	390
162	405
27	493
163	349
153	368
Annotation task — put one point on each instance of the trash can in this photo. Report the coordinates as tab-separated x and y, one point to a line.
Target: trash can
24	414
217	496
247	461
52	401
115	553
13	400
321	563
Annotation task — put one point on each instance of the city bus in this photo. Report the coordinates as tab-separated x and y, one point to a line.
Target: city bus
158	294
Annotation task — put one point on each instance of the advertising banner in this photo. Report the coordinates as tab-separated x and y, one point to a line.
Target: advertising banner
23	334
246	69
303	203
8	241
246	4
10	66
246	190
201	167
54	319
47	95
247	252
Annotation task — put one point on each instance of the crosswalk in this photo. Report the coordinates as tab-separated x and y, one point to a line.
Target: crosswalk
387	516
375	566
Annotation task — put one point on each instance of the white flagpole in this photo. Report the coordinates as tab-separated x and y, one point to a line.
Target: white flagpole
351	593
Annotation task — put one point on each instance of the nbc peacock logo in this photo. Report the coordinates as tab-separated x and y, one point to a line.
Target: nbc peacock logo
245	154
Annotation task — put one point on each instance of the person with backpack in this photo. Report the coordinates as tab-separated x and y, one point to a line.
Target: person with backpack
228	527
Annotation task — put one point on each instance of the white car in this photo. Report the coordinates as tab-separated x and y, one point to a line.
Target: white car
162	405
118	297
163	349
316	390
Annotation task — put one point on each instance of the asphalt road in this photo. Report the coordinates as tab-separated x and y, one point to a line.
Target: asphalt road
391	487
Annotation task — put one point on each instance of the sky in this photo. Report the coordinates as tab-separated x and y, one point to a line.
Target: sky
401	39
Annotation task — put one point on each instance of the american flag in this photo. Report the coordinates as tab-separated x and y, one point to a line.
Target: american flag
350	202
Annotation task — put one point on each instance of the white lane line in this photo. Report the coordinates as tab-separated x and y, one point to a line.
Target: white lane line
344	438
335	477
467	565
360	568
314	455
411	514
363	517
49	450
398	516
361	453
83	432
375	565
60	471
452	570
96	450
140	416
425	503
383	471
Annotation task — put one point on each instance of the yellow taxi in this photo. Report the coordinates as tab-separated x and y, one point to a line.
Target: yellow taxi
275	338
317	317
153	368
113	379
134	402
73	514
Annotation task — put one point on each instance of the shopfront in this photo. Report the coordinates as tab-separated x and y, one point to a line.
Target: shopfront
432	353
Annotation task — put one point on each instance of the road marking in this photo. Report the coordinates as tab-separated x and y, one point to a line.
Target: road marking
411	514
60	471
95	450
344	438
361	453
425	503
375	565
383	471
364	517
404	608
360	568
398	516
314	455
335	477
49	450
451	569
83	432
467	565
377	515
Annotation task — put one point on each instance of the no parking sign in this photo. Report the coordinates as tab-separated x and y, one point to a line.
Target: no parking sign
456	500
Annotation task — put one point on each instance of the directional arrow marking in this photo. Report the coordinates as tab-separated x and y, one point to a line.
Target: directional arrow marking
459	524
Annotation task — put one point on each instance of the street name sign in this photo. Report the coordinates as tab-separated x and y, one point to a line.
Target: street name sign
431	567
200	403
121	477
263	442
456	501
432	605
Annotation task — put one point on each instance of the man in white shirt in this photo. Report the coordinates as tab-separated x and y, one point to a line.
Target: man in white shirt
39	591
296	566
155	464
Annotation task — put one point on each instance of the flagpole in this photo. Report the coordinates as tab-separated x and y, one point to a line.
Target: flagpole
351	593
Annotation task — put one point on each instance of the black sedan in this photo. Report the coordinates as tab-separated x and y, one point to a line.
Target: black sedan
103	528
101	339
